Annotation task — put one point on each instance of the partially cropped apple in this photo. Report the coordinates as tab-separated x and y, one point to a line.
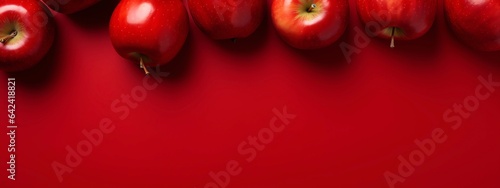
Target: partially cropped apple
69	6
227	19
477	23
26	33
310	24
149	32
405	19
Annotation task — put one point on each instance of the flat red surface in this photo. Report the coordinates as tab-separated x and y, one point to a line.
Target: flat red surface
351	123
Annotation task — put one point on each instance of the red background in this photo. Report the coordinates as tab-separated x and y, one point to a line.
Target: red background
352	120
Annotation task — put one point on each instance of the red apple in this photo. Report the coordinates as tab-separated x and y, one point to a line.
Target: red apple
310	24
69	6
149	32
26	33
404	19
227	19
476	22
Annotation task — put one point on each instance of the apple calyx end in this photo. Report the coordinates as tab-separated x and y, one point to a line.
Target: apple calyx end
392	37
143	67
312	7
5	39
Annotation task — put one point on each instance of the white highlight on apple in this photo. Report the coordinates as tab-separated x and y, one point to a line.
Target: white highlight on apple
16	8
315	20
477	2
287	2
16	45
140	14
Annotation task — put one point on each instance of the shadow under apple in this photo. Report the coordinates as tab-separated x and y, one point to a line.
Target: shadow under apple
423	50
328	59
178	68
247	46
96	16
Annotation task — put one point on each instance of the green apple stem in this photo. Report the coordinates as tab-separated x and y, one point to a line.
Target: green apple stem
392	37
8	37
311	8
143	67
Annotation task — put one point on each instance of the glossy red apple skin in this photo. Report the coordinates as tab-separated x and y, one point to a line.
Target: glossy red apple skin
413	18
227	19
154	30
35	33
69	6
310	30
477	23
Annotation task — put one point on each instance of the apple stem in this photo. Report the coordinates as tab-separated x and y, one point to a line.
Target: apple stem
392	37
8	37
311	8
234	40
144	67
